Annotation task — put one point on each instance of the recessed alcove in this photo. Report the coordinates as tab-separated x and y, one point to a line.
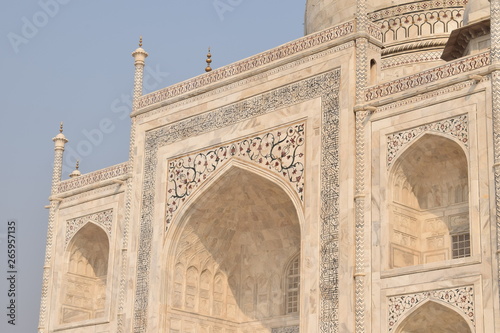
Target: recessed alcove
433	317
236	258
429	205
84	283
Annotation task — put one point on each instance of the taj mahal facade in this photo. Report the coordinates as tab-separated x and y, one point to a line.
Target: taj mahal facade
347	181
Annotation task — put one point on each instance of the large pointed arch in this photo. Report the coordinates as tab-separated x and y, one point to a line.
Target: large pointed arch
239	231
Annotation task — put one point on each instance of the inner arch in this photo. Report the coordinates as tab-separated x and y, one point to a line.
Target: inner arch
434	318
84	282
232	255
429	210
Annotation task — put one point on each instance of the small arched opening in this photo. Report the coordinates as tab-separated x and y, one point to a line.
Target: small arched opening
84	282
373	72
429	205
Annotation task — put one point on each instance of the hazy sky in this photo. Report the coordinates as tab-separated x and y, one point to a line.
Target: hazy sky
70	60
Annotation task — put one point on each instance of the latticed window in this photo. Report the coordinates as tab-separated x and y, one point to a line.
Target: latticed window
461	245
293	286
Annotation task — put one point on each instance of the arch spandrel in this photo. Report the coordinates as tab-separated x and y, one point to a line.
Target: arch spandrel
459	300
280	151
103	219
455	128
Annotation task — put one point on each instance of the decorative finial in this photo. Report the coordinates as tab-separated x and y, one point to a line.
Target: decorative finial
60	139
76	172
209	61
140	41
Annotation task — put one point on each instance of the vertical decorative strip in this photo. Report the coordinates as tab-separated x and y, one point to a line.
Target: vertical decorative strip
139	57
495	81
359	200
59	142
329	237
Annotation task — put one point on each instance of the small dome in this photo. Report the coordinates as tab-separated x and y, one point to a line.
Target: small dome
60	136
75	173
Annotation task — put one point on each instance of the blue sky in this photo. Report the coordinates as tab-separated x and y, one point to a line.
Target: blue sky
70	60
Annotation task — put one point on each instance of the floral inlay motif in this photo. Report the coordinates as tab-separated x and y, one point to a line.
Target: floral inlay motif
281	151
457	127
462	298
103	219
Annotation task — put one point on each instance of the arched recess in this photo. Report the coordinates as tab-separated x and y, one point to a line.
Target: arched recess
84	282
434	317
429	203
239	234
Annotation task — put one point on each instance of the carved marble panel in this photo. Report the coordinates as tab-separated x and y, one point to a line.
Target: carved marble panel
457	127
103	219
461	298
281	151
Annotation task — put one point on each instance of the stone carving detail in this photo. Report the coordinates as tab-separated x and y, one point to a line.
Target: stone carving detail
461	298
251	63
281	151
414	7
495	80
411	58
414	25
56	179
289	329
103	219
374	31
450	69
432	94
94	177
126	224
329	236
457	127
326	86
361	84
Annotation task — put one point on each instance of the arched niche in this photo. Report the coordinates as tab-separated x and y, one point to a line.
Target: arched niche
432	317
230	251
84	282
429	203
